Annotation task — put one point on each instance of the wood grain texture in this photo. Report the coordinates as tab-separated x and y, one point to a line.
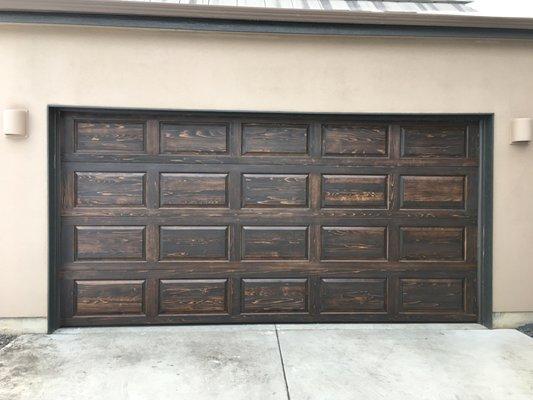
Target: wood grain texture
109	297
109	242
353	295
265	190
193	296
119	137
193	138
433	141
432	295
234	217
274	295
193	190
109	189
357	191
274	243
433	192
274	139
355	140
194	243
354	243
432	243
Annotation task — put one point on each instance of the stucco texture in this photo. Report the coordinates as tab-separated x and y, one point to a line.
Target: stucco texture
107	67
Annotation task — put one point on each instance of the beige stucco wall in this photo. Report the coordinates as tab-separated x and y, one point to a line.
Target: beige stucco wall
164	69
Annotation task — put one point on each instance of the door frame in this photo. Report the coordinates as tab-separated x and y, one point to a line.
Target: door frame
485	200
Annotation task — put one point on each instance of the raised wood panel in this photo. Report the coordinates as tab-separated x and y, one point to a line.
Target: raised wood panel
115	137
353	295
432	295
193	296
193	190
109	242
109	297
433	141
433	192
359	140
109	189
194	138
266	190
432	243
275	295
354	243
274	243
193	243
357	191
274	139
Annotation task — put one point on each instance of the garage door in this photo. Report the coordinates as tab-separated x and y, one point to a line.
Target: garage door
171	218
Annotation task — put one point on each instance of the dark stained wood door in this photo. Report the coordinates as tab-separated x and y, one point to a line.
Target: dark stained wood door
170	218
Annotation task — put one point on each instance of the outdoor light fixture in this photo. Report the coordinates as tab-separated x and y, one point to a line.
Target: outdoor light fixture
14	122
521	130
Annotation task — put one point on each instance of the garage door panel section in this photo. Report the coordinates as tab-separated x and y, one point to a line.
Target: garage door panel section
193	243
274	243
433	192
109	297
193	190
196	217
353	295
274	139
110	136
110	189
357	140
432	243
432	295
109	243
355	191
354	243
193	138
193	296
275	296
275	190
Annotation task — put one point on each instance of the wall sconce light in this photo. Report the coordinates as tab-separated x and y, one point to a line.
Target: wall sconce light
14	122
521	130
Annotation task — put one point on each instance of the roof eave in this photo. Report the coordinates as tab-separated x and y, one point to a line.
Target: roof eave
167	10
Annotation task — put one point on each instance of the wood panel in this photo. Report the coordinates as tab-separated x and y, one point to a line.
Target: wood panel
353	295
109	242
194	243
354	243
432	243
358	191
431	295
185	217
274	139
274	243
193	138
109	189
193	190
102	137
274	295
433	191
265	190
434	141
124	297
193	296
359	140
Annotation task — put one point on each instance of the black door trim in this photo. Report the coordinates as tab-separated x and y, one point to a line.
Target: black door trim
485	199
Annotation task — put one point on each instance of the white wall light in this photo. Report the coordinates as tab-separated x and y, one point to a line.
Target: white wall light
521	130
14	122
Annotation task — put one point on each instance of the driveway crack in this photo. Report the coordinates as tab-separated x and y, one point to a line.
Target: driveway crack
282	364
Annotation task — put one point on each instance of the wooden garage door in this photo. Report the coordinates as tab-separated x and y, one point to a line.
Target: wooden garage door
182	218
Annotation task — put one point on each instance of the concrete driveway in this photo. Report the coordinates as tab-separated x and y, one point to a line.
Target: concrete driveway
293	362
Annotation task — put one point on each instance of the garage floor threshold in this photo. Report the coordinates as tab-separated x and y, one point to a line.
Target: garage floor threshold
296	362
